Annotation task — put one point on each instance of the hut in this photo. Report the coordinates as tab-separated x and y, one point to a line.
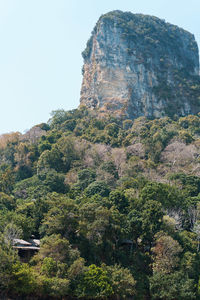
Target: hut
26	249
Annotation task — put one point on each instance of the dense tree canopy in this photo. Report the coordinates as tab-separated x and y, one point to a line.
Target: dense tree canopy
116	204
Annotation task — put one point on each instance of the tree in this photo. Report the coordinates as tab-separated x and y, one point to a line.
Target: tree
151	218
55	181
97	187
59	157
118	198
8	257
168	195
58	117
57	248
12	232
85	177
172	286
61	218
23	279
7	180
122	281
109	167
94	284
196	229
6	201
190	265
134	224
165	253
102	227
54	287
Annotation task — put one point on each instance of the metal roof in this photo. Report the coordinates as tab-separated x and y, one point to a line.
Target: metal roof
21	242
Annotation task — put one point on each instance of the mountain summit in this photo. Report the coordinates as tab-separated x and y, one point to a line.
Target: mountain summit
139	65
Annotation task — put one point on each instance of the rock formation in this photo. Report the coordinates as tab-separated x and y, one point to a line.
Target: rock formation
136	65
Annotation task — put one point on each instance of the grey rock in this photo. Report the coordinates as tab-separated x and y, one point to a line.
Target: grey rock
138	65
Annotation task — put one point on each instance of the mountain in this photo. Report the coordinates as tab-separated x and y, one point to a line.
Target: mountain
139	65
114	201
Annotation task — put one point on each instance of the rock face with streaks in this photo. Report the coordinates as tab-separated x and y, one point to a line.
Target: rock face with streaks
138	65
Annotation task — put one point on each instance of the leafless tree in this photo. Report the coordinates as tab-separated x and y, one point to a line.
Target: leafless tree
177	215
196	229
12	232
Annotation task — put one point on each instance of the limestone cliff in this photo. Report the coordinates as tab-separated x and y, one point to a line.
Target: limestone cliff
138	65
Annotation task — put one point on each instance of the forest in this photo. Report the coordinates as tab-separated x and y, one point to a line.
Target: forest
115	204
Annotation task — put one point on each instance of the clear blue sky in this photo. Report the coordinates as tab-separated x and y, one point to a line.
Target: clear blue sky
40	50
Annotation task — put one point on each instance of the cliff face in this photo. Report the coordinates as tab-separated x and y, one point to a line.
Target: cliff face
138	65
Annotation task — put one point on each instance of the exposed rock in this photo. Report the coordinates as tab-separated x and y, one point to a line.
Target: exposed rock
137	65
33	134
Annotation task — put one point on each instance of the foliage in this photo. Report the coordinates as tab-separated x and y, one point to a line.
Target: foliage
115	204
95	284
122	281
166	251
172	286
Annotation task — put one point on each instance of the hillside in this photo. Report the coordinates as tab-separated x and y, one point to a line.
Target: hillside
115	204
103	202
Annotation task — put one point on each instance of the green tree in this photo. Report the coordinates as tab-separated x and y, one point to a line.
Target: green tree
7	179
172	286
61	218
151	218
53	287
97	187
95	284
57	248
6	201
23	280
8	257
168	195
122	281
118	198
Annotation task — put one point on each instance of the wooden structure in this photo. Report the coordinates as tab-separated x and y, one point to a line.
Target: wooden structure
26	249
